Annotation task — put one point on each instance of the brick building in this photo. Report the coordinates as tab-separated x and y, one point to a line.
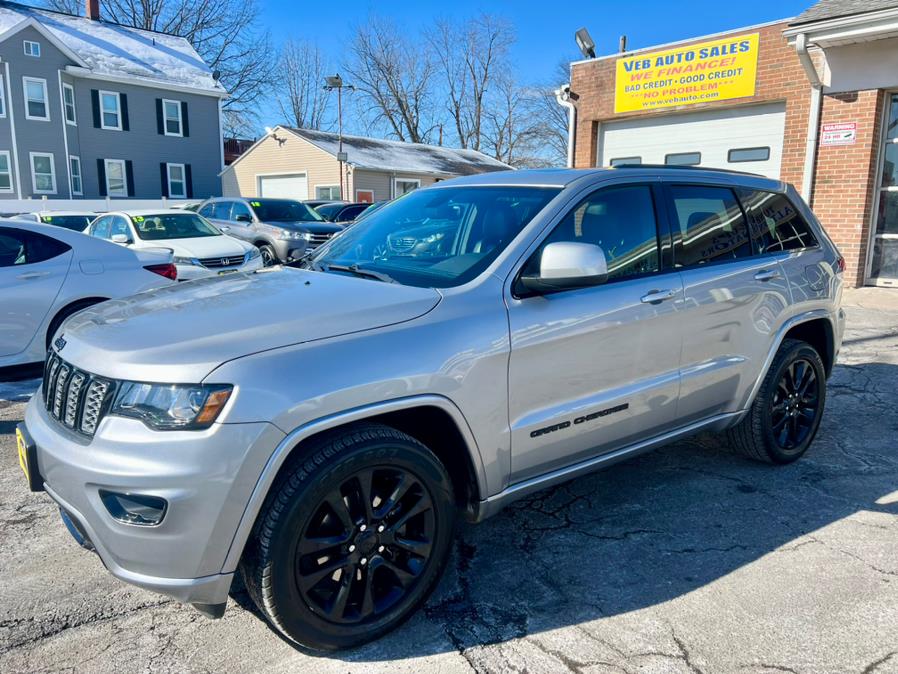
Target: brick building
808	100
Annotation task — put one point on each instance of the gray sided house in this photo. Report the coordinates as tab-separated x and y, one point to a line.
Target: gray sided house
302	164
92	109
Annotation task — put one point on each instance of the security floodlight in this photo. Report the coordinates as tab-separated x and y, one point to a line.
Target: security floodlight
334	82
585	43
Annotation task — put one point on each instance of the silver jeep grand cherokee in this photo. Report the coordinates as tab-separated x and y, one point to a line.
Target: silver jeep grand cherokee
319	429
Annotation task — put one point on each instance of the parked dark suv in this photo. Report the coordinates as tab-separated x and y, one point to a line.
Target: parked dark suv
284	230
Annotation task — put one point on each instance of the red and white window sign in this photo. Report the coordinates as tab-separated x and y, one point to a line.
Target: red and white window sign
839	133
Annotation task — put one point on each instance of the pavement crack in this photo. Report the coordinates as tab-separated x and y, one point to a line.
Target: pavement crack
873	666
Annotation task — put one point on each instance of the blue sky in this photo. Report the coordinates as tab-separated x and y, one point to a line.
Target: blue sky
545	29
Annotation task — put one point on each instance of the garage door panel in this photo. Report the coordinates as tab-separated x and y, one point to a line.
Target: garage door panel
287	186
713	133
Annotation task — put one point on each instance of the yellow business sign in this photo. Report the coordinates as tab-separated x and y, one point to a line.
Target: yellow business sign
700	73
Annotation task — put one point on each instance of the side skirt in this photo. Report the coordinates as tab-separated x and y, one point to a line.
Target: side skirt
495	503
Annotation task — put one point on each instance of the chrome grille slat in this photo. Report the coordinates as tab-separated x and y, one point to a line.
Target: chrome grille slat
75	398
316	240
232	261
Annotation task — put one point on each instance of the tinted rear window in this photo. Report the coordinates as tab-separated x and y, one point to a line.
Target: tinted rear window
711	225
775	223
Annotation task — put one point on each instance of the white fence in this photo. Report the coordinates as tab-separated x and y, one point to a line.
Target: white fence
13	206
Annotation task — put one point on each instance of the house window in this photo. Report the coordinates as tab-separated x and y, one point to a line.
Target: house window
36	99
110	111
2	97
683	159
748	154
116	181
177	183
68	104
406	185
43	173
5	172
75	173
327	191
171	111
32	48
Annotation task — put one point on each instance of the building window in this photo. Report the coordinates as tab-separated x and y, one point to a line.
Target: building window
683	159
623	161
5	172
110	111
36	99
116	179
2	97
68	104
177	182
171	111
75	173
405	185
327	191
32	48
43	173
748	154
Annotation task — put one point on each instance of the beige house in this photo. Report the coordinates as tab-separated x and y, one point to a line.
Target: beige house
302	164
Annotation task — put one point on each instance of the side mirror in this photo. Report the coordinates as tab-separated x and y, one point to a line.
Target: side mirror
565	265
121	238
243	217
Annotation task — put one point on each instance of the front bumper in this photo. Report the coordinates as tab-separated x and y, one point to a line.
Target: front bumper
205	476
290	250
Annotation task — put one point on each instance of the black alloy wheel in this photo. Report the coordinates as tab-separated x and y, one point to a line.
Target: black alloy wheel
795	405
366	544
354	536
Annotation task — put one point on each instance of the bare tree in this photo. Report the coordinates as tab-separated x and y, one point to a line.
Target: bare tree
395	78
301	95
472	55
223	32
550	119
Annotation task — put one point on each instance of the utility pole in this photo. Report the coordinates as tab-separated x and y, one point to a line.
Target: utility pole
331	83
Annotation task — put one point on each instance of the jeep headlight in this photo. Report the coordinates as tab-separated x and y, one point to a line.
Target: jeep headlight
167	407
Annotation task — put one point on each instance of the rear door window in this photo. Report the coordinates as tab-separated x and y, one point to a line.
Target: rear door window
709	225
21	248
775	223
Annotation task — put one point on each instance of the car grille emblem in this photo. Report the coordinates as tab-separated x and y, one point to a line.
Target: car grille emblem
59	343
225	262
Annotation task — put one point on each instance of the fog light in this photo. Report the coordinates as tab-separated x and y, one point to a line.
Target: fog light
139	509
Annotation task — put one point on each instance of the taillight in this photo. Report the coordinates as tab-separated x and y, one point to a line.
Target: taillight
167	270
840	265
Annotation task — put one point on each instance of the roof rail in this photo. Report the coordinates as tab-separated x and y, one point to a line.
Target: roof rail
684	167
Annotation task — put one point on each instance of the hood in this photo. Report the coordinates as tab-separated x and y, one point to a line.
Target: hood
181	333
201	246
309	226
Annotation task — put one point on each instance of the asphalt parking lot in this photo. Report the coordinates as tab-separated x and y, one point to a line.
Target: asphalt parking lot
684	560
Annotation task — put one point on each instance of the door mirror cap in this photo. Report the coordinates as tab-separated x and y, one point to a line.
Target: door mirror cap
243	217
121	238
565	265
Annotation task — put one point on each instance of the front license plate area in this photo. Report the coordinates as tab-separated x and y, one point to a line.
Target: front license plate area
28	459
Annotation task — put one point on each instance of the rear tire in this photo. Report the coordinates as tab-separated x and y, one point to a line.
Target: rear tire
329	571
786	413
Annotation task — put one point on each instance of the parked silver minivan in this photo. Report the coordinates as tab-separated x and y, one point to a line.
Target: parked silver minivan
471	343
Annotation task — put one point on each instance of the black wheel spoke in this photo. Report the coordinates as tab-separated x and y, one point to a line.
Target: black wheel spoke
796	405
366	545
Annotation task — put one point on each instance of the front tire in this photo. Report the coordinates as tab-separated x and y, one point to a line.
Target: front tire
269	256
353	538
786	413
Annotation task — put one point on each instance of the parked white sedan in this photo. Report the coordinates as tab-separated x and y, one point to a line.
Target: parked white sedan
200	249
48	273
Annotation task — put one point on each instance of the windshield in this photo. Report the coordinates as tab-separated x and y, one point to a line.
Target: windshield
77	223
435	238
172	226
284	210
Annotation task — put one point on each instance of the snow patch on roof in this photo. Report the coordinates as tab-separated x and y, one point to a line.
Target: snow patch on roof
111	49
394	155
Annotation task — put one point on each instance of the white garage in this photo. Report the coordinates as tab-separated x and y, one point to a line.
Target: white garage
284	186
748	138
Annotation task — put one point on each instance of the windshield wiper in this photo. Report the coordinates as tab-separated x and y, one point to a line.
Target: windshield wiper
358	271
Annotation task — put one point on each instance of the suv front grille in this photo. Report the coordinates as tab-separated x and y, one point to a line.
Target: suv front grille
75	398
217	262
316	240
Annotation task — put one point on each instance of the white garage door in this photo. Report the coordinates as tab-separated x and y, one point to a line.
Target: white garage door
745	139
294	186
